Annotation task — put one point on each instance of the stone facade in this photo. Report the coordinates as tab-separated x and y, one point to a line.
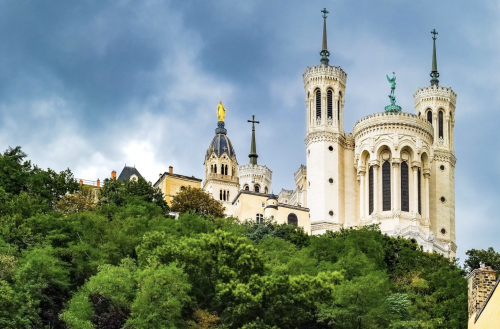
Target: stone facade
484	301
170	184
395	170
255	178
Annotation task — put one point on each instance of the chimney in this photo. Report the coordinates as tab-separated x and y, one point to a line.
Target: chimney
171	169
480	282
113	174
81	182
98	183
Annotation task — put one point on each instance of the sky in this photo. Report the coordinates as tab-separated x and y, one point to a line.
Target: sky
94	85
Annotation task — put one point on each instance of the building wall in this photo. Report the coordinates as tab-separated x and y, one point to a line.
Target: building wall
490	316
171	185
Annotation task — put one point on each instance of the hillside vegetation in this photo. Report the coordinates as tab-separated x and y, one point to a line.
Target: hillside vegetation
71	258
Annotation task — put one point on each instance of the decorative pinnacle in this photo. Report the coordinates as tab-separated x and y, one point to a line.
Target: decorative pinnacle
434	72
253	148
324	50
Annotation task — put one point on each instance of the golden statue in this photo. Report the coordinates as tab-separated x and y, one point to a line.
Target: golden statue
221	112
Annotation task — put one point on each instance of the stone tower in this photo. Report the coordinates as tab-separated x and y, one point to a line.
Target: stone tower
221	168
324	87
437	105
254	177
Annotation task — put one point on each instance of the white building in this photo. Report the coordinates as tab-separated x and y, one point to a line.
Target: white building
395	169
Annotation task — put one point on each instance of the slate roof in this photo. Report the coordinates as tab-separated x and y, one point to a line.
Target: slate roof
220	145
127	172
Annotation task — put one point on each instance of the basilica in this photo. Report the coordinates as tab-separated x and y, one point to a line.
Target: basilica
395	169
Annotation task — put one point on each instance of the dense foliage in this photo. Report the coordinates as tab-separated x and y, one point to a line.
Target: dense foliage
118	262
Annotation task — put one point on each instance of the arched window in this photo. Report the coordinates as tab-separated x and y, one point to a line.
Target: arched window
259	218
227	195
220	196
338	106
440	119
386	186
212	168
318	103
429	116
292	219
405	196
226	170
266	190
419	193
215	168
247	188
329	97
257	188
224	195
370	190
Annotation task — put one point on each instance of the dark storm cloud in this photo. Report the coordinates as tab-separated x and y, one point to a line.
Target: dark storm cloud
91	85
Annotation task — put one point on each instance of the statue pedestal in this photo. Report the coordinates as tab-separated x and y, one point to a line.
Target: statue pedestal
220	128
393	108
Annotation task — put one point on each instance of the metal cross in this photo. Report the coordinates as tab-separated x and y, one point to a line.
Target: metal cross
253	120
324	11
434	32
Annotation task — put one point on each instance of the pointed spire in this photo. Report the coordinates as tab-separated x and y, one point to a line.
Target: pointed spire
434	72
253	148
324	49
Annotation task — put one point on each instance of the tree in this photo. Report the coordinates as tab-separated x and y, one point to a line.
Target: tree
122	192
84	200
198	201
487	257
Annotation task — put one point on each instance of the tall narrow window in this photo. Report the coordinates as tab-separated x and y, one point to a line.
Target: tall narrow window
419	194
212	168
220	197
329	96
257	188
224	195
227	196
215	168
370	190
318	103
405	197
429	116
338	106
440	115
292	219
386	186
226	170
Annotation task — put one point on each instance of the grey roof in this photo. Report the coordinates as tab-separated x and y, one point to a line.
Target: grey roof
220	145
127	172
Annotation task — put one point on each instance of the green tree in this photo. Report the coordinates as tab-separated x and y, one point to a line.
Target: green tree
121	192
198	201
487	257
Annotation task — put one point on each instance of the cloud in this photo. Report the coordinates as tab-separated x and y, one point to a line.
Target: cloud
94	85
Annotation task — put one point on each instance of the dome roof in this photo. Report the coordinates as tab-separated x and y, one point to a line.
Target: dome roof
220	145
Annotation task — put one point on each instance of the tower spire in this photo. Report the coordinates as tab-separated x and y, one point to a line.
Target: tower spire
253	148
324	49
434	72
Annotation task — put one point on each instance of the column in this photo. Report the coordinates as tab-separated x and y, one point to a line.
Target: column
446	130
395	186
427	174
335	115
375	165
415	166
435	125
362	193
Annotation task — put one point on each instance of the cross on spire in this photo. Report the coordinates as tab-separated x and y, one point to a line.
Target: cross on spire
435	33
324	49
434	71
324	11
253	148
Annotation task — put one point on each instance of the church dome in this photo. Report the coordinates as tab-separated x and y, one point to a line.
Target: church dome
220	145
